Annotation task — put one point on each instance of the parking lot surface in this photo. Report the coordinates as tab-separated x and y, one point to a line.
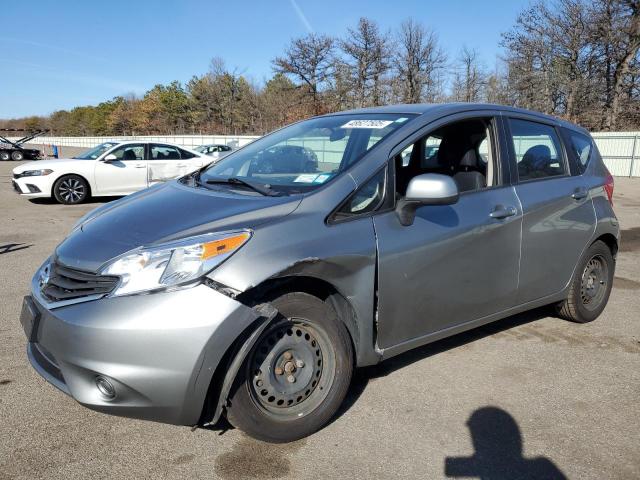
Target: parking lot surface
530	396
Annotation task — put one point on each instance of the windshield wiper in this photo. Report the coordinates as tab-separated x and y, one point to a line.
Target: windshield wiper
263	189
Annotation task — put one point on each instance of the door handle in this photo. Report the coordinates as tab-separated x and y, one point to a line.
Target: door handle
140	165
503	212
579	193
182	165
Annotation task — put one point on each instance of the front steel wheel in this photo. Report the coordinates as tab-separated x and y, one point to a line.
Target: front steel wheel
591	285
297	374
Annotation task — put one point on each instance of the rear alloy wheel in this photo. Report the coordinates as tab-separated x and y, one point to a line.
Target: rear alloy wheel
4	156
17	155
297	374
591	285
71	189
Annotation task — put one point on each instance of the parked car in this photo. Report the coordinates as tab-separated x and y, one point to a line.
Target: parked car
253	292
286	158
216	151
109	169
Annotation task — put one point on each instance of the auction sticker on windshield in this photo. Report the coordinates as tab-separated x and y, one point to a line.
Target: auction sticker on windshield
367	124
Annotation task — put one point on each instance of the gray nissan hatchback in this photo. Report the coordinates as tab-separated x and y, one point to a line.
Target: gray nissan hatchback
252	288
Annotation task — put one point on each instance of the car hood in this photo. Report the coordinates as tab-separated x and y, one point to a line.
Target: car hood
42	164
163	213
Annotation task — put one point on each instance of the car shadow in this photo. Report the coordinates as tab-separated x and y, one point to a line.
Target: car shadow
362	376
498	451
13	247
91	200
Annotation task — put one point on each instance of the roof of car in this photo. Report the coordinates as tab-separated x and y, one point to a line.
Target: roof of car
451	108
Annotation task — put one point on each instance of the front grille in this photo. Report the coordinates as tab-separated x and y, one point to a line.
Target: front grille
16	187
67	283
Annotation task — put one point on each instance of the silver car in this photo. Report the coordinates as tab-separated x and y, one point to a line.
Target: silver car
253	287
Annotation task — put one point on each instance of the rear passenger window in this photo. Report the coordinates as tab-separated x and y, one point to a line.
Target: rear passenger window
164	152
184	154
582	147
537	150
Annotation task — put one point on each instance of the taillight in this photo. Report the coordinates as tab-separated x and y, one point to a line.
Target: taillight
608	187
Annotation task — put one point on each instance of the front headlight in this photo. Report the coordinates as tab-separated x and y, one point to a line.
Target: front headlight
35	173
173	264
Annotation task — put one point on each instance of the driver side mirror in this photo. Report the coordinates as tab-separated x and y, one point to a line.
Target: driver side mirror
110	158
426	189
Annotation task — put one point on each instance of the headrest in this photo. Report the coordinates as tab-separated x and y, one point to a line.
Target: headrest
537	153
469	159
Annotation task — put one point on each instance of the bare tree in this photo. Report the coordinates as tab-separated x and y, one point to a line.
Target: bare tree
368	57
617	40
309	60
470	77
418	62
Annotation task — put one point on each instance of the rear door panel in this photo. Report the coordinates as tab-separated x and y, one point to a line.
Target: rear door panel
556	227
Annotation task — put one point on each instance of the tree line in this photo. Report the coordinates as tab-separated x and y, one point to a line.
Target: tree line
575	59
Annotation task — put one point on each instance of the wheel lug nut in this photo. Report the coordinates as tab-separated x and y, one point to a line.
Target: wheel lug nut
299	363
259	383
279	371
291	379
287	355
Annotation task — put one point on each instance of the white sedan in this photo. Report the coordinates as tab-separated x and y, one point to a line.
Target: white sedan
110	169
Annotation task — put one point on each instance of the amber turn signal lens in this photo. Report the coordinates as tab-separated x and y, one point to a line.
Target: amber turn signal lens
220	247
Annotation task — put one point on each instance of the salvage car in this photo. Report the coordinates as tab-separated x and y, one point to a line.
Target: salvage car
252	292
215	150
109	169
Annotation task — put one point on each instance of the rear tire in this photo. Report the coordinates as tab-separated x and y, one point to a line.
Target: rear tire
71	189
4	156
17	155
295	378
591	285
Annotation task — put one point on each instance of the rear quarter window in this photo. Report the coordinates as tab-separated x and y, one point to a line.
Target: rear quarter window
580	148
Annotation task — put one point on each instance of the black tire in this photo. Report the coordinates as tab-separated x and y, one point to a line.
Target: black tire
264	402
591	285
71	189
17	155
4	156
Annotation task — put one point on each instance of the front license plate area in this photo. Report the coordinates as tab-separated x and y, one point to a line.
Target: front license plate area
29	318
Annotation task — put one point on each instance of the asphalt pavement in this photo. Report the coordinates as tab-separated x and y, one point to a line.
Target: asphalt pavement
531	396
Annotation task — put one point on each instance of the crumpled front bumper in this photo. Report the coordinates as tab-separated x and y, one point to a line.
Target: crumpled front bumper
159	350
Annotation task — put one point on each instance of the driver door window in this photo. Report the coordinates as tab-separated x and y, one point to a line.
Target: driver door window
129	152
462	150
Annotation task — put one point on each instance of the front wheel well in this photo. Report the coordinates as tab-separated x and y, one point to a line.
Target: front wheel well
321	289
610	241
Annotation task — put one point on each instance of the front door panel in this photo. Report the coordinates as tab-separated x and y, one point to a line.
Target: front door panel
453	265
124	175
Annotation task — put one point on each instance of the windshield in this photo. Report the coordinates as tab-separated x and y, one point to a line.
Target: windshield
95	152
303	156
201	148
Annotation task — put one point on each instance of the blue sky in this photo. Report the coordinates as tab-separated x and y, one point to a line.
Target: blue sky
61	54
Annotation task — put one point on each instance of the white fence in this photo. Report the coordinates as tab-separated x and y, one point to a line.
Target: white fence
620	150
184	140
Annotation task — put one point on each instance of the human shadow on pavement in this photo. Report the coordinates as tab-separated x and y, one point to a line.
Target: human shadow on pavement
498	455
